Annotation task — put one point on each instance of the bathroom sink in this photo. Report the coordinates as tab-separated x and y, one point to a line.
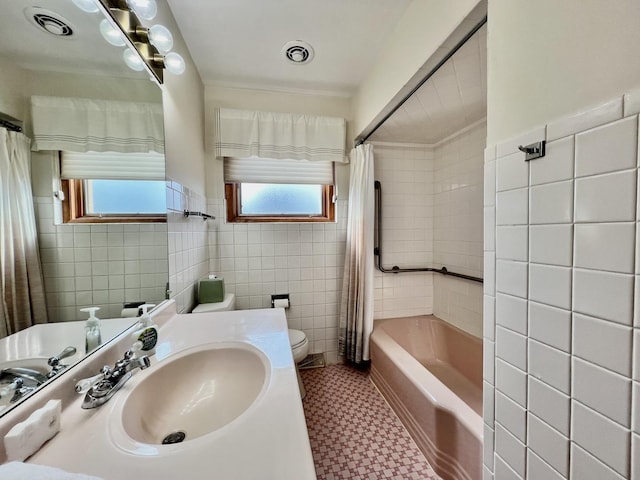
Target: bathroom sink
194	394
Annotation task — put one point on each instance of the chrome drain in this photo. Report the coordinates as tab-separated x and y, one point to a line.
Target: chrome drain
174	437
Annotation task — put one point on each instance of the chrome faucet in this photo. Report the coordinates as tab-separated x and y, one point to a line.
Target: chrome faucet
101	387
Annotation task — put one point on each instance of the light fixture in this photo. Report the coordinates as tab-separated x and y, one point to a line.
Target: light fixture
145	9
111	34
133	60
88	6
147	47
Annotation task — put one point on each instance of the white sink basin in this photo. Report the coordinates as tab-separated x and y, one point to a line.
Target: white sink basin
195	393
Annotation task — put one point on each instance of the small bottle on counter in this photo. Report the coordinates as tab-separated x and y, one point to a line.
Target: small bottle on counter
147	331
92	335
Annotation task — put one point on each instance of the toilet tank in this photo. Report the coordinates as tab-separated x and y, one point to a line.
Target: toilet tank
229	303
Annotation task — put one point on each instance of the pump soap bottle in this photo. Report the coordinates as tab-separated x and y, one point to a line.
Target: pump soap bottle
92	336
147	333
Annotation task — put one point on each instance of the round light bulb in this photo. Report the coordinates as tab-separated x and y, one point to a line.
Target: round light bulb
111	34
88	6
174	63
145	9
133	60
161	38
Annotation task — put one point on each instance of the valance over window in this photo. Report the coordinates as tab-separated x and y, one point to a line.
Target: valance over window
243	133
86	124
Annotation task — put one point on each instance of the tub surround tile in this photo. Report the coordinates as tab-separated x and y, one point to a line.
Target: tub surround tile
511	278
488	403
511	450
511	172
512	382
606	198
550	285
631	102
512	348
550	365
512	417
503	471
636	356
512	243
603	294
537	468
489	243
635	456
585	120
635	402
605	246
489	436
549	444
551	203
616	142
490	183
551	244
606	440
489	270
604	343
489	317
512	207
556	165
550	325
602	390
550	405
486	473
511	312
585	466
488	362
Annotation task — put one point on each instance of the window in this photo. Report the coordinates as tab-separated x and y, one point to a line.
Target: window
266	190
113	188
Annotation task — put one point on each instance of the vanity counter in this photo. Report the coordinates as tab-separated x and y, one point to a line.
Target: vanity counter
267	441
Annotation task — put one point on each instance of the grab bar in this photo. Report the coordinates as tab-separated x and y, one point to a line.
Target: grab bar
377	248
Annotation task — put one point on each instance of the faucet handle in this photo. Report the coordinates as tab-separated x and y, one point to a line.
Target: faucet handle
55	360
86	383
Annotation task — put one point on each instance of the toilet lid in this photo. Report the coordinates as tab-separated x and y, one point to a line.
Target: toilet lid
296	338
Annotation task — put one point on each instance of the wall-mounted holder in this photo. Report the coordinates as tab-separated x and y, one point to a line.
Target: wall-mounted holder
204	216
533	150
280	300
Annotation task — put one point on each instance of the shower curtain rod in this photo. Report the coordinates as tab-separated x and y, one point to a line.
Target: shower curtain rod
377	248
10	126
424	80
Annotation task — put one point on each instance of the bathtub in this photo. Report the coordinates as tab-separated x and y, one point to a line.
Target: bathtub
431	374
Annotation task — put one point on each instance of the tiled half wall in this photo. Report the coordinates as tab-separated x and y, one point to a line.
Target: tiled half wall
561	300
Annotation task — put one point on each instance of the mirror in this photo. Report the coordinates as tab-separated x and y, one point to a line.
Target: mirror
83	264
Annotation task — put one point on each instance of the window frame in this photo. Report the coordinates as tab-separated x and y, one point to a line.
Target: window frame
74	209
232	198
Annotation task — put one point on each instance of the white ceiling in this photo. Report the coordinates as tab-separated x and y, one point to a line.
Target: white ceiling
22	42
238	42
453	98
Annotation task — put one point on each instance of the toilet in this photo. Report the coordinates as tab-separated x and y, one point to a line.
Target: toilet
297	338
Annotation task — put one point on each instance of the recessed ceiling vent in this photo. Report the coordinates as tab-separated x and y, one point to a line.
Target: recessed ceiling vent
49	21
298	52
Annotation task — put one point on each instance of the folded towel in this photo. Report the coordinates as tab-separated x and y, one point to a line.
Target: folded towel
28	471
26	438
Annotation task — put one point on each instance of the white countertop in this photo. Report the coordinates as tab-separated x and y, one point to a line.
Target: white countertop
267	441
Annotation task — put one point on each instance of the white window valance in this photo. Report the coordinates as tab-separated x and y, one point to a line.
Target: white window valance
244	133
86	124
266	170
112	166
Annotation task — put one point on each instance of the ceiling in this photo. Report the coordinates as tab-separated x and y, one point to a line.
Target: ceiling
238	42
453	98
27	45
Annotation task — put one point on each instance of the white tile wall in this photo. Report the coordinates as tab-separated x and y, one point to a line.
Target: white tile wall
574	305
406	175
103	265
188	238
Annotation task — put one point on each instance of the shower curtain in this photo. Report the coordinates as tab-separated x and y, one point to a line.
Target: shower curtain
356	308
21	284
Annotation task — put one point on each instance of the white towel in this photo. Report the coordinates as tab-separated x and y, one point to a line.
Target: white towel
28	471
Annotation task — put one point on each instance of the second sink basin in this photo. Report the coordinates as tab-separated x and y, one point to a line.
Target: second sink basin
195	394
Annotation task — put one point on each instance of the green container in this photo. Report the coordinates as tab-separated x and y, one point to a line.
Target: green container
211	290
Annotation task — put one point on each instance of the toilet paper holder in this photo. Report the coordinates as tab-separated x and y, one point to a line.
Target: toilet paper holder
280	300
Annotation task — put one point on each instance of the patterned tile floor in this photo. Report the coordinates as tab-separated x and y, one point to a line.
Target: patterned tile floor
354	434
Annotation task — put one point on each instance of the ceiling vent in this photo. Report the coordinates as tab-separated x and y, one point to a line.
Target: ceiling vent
49	21
298	52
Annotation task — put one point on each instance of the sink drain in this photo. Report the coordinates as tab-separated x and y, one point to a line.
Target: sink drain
174	437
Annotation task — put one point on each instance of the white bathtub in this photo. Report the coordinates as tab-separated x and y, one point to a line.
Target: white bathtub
431	374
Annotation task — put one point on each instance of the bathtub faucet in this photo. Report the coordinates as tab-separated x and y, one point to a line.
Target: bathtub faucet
101	387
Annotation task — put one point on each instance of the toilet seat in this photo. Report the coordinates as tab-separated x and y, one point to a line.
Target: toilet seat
299	345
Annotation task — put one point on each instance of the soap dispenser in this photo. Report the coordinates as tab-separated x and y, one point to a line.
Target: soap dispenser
147	331
92	336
